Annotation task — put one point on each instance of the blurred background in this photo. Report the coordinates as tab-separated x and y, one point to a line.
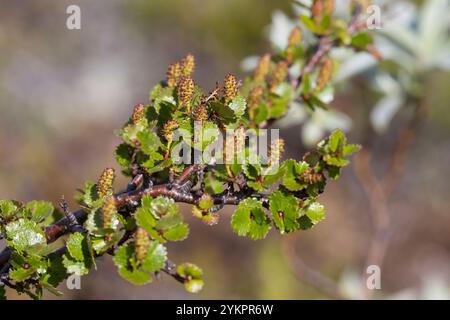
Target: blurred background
64	92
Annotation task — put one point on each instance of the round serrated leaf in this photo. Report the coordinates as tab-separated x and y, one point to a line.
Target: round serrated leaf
156	257
285	211
23	235
177	233
250	220
315	212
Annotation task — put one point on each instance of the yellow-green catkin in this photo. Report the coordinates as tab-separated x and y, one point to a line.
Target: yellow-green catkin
109	210
325	74
138	113
320	9
230	88
276	152
173	74
185	91
329	7
295	38
142	243
188	65
168	129
317	10
279	74
255	96
105	182
262	69
239	141
200	113
228	149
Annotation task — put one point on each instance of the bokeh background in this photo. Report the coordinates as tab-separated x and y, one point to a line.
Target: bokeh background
63	93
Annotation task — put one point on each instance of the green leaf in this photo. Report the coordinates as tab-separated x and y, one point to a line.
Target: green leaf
169	221
80	256
189	270
305	223
21	274
351	149
209	133
150	143
260	114
136	277
161	93
75	267
223	111
238	105
162	206
177	233
285	211
272	174
56	272
156	257
38	211
250	220
192	275
256	185
252	171
145	219
314	101
89	196
24	235
123	259
51	288
2	293
315	212
292	171
335	161
123	154
336	139
75	246
8	208
361	40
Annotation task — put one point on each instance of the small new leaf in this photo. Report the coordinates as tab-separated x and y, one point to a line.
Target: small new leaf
250	220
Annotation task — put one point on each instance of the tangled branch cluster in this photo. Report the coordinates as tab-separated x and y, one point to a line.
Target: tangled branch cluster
133	225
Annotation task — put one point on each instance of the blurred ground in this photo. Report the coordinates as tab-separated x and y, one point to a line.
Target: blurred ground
63	93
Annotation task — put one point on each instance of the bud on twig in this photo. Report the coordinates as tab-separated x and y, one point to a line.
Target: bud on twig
138	113
105	182
230	87
262	69
187	65
173	74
